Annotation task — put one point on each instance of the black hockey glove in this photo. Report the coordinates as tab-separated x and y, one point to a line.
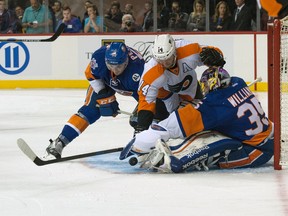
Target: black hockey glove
211	57
145	119
138	129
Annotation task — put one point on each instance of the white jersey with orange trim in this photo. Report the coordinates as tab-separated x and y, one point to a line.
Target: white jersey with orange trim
170	85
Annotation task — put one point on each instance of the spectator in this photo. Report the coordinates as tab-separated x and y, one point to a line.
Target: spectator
35	18
128	9
264	19
148	17
222	18
50	5
162	15
57	8
93	22
7	19
242	17
19	11
85	15
129	25
113	17
73	23
177	18
197	18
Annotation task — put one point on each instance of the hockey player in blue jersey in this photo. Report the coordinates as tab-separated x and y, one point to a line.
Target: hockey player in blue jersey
113	68
228	128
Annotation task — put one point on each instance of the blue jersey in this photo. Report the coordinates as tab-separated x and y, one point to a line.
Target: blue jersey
233	111
126	83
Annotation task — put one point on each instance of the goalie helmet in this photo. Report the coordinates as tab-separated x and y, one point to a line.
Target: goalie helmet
116	57
164	50
214	78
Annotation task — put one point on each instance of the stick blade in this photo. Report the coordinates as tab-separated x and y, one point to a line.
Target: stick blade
26	149
30	153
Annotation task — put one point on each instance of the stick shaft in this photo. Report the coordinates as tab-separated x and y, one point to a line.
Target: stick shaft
52	38
25	148
259	79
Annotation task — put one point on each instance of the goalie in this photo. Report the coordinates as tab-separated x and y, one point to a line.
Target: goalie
242	134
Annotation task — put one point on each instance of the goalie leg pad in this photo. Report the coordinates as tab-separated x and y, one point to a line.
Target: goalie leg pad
248	156
195	156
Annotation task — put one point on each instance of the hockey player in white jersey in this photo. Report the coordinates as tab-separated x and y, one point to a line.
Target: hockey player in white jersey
170	75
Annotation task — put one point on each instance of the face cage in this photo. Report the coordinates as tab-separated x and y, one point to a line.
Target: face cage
117	69
209	84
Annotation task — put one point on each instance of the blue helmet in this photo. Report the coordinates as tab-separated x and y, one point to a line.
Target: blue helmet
116	57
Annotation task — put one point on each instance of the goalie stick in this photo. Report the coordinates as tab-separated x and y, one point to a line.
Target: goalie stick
58	32
39	162
259	79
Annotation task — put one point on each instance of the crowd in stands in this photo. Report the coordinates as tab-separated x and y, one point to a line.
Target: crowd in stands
40	16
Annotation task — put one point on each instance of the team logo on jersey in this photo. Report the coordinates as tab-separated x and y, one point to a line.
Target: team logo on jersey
181	86
136	77
93	63
114	82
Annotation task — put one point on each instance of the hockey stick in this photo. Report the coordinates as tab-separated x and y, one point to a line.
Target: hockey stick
120	111
39	162
124	112
52	38
259	79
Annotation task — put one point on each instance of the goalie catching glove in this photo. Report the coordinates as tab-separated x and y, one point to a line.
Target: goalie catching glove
212	56
107	103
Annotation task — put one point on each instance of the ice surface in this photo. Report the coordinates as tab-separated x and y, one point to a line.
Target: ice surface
102	185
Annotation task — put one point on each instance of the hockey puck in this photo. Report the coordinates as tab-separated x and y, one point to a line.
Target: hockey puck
133	161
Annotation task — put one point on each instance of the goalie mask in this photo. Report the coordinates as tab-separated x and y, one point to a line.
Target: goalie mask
164	50
116	57
214	78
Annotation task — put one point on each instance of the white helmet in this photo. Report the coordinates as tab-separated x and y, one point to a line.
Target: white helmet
164	49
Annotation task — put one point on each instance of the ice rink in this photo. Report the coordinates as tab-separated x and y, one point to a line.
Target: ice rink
104	186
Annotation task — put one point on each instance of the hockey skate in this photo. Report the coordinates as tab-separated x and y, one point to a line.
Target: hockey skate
54	150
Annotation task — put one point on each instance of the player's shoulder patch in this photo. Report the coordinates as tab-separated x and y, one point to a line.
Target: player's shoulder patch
93	64
136	77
